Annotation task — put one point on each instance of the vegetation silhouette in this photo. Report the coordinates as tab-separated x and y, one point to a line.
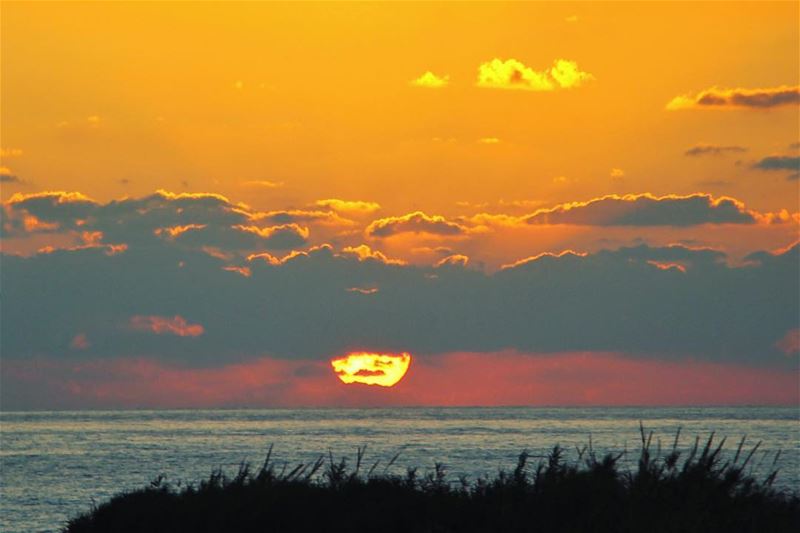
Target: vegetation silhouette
703	491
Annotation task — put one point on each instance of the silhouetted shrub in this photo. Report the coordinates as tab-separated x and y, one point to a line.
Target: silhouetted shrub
703	493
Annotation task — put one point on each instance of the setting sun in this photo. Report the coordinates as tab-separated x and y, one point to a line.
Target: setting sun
372	368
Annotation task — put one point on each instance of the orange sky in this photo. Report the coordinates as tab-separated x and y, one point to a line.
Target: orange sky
316	97
472	136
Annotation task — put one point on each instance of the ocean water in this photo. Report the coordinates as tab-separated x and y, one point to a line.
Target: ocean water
53	465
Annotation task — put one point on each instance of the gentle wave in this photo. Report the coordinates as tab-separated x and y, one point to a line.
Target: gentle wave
55	463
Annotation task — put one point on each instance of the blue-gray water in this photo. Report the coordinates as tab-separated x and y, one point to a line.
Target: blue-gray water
55	463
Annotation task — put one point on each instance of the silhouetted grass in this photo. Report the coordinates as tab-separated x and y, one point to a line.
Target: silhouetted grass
700	492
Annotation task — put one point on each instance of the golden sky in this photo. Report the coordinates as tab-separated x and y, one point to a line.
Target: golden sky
126	98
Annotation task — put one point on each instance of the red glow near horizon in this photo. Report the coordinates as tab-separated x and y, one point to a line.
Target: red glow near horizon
456	379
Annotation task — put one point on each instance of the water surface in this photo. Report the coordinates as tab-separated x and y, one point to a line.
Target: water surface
55	464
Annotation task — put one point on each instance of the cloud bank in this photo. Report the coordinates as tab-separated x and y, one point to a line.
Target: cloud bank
184	305
201	290
195	220
648	210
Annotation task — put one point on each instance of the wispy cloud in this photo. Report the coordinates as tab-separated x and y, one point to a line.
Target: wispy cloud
780	162
6	176
718	98
713	149
452	260
264	184
349	206
362	290
161	325
10	152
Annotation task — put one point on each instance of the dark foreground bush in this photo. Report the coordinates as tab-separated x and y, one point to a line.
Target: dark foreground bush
702	492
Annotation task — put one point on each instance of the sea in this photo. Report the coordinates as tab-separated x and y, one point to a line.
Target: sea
57	465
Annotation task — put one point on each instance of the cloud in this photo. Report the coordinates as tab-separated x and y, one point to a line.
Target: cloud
485	222
780	162
349	206
365	253
713	149
176	231
129	218
290	216
648	210
441	251
431	81
223	240
489	140
264	184
79	342
6	176
242	271
363	290
527	204
59	197
162	325
790	343
718	98
453	260
543	255
617	173
416	222
269	259
190	219
633	210
512	74
283	237
46	211
666	303
10	152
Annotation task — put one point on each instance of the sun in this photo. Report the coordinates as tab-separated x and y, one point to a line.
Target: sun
371	368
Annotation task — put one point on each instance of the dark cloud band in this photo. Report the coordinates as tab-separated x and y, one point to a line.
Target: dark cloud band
663	302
